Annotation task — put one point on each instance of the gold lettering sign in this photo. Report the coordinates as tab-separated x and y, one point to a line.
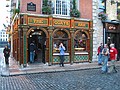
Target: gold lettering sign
84	25
37	21
112	27
61	23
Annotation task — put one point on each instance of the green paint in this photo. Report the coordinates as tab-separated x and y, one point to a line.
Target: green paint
50	52
81	58
25	48
91	47
72	47
82	25
37	21
56	59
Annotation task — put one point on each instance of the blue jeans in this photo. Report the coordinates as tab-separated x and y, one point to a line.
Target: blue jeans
104	66
32	54
100	57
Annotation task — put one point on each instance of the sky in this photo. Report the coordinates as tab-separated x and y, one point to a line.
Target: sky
4	13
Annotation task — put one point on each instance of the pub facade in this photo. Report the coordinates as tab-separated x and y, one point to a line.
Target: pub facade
47	32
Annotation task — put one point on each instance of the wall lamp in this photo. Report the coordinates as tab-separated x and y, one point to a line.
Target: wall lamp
114	1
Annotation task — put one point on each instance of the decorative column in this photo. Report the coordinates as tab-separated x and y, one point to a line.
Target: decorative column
19	46
91	45
72	46
50	46
25	28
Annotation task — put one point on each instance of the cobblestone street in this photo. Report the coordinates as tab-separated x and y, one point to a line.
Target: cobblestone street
91	79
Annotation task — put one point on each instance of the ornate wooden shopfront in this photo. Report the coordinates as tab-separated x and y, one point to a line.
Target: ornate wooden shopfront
47	32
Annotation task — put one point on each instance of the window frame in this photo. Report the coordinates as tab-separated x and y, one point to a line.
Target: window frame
68	9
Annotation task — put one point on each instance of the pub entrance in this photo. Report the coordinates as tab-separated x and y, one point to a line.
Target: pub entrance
38	37
114	38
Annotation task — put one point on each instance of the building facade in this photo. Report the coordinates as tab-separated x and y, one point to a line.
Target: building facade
47	31
106	30
3	38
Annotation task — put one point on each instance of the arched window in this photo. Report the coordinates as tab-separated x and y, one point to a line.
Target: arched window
60	36
80	42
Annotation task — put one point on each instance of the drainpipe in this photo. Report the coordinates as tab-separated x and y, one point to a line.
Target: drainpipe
12	23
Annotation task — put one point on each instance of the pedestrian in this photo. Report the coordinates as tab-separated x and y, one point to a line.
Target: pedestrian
113	58
100	48
6	52
62	52
105	53
32	52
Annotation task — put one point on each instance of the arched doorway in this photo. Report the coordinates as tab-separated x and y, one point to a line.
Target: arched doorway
38	37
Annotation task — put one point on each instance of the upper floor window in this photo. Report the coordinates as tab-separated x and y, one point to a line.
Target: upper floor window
61	7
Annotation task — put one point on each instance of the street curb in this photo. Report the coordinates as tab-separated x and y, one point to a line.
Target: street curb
55	71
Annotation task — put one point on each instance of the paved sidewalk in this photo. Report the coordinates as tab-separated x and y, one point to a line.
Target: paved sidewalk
15	69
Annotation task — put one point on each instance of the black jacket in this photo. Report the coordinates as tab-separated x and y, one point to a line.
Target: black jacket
6	52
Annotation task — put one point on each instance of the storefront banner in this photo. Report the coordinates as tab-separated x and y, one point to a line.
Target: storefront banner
61	23
83	25
37	21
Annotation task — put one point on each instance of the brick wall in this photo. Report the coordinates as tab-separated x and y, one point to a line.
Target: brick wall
86	9
23	6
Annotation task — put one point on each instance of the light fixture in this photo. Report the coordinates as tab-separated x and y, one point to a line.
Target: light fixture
40	33
32	30
108	38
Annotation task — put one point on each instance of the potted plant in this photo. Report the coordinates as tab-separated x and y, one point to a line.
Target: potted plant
46	9
74	12
102	15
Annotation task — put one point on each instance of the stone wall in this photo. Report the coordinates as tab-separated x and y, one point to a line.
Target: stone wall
98	29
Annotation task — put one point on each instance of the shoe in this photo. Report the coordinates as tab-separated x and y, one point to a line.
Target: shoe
115	71
99	64
103	72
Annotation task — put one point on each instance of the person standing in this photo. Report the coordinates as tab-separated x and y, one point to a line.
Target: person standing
6	52
113	58
32	52
100	48
105	53
62	52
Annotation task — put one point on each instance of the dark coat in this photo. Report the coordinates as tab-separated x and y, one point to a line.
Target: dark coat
6	52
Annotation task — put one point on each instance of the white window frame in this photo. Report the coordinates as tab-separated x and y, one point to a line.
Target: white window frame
68	7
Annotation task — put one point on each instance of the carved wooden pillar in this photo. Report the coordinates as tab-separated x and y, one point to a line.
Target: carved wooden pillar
19	46
72	46
91	45
25	29
50	46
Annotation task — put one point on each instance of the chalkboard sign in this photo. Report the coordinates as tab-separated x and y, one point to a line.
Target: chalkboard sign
31	6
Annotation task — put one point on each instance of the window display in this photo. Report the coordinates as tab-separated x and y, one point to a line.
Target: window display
80	41
60	36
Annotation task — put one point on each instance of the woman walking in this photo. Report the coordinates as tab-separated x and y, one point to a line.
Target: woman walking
105	53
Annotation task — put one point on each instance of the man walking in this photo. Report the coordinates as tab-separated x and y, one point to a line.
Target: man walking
113	58
6	52
100	48
32	52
